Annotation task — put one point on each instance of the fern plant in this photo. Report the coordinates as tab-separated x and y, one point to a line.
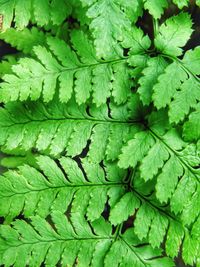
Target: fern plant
99	133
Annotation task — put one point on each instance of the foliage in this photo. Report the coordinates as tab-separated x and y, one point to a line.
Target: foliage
99	130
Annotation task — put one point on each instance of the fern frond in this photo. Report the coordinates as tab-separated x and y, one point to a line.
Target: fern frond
60	185
157	84
178	96
100	133
154	149
154	222
24	11
63	185
109	20
77	70
172	161
73	241
154	74
42	127
174	34
59	66
25	39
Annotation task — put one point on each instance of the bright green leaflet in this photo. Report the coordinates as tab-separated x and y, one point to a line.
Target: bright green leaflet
43	12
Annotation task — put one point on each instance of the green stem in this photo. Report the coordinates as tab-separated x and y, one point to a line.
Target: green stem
155	27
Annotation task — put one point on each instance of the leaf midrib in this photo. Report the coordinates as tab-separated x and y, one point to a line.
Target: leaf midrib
90	120
120	184
72	69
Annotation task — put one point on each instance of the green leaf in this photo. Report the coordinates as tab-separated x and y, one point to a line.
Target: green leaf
191	208
6	65
36	130
121	86
175	91
155	67
153	161
135	40
136	149
184	100
60	10
191	60
57	187
190	249
39	193
24	40
143	221
167	84
108	23
181	3
128	204
59	69
155	7
174	238
179	199
133	9
42	14
158	229
21	12
195	228
164	157
191	129
38	238
165	183
174	34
